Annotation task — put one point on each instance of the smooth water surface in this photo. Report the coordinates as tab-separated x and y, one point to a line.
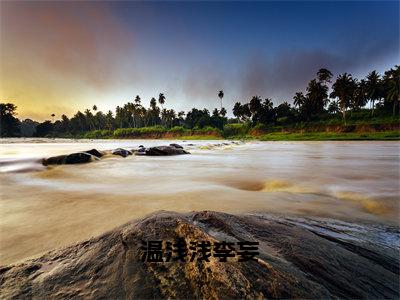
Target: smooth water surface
42	208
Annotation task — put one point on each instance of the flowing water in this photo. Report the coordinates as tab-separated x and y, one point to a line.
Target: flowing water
42	208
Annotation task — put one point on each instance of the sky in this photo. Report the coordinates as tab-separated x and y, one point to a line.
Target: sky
61	57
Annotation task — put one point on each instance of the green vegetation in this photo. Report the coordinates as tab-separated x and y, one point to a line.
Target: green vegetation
377	128
347	108
155	132
330	136
98	134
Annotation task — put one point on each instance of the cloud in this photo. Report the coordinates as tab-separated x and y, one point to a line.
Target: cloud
201	84
283	75
81	40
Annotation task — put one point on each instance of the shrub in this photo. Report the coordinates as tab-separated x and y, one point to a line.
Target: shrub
98	134
235	130
208	130
154	131
178	129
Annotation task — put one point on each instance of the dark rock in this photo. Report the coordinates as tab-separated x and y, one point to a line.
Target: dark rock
296	260
141	146
176	146
94	152
74	158
165	150
140	151
121	152
77	158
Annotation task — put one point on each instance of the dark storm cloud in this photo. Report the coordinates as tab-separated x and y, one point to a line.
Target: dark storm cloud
289	72
202	84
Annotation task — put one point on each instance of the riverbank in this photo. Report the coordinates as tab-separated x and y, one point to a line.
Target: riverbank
390	131
331	136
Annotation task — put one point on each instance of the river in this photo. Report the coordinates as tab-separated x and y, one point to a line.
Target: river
43	208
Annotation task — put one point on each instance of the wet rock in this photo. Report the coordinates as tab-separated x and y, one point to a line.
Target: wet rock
121	152
74	158
298	258
164	150
176	146
141	151
95	152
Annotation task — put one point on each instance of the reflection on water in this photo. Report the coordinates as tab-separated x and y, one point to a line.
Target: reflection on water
44	208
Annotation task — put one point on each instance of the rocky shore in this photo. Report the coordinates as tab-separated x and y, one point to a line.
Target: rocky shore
298	258
94	154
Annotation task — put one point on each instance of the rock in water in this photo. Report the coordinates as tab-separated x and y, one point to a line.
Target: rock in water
165	150
95	152
121	152
176	146
74	158
141	151
298	258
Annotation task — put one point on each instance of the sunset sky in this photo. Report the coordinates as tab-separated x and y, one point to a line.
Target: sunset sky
60	57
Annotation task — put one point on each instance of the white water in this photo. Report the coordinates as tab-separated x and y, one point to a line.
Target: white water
44	208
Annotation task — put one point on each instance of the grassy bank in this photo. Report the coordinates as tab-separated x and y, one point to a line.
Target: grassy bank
154	132
255	134
374	129
330	136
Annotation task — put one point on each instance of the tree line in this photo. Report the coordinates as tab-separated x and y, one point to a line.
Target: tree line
322	99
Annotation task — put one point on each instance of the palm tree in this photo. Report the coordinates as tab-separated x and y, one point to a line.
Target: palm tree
237	110
392	83
89	117
245	112
109	120
137	99
153	112
255	104
52	117
81	120
221	95
317	94
373	85
130	108
153	103
333	108
343	89
161	100
360	95
324	75
298	99
95	118
223	112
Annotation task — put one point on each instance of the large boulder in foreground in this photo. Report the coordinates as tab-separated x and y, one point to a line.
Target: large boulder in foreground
298	258
74	158
164	150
